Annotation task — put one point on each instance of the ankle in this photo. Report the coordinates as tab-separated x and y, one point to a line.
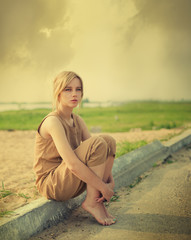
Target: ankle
91	202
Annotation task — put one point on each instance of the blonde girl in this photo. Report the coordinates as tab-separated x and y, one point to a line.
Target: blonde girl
68	160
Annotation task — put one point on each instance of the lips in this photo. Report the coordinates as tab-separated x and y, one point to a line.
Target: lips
74	100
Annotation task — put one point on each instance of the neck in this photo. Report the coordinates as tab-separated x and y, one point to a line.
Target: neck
65	112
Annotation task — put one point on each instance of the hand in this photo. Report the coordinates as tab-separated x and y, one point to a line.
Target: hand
106	194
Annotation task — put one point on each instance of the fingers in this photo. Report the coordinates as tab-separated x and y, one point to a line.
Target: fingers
99	200
102	199
106	194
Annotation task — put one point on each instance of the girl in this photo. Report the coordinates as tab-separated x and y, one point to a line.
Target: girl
67	159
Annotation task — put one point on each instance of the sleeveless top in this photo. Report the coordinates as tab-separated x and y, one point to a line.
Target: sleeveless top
47	158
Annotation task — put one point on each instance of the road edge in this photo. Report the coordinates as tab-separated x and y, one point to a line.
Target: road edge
41	213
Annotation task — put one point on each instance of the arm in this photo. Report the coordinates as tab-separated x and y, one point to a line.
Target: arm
111	184
85	132
53	128
111	181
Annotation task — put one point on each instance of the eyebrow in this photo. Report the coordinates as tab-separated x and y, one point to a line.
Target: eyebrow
71	87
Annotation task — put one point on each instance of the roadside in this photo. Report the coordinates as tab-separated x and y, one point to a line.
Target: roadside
156	208
16	162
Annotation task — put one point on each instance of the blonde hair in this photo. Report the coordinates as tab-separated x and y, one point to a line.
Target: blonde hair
60	82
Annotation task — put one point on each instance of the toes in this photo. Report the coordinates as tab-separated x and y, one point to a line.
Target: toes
109	221
105	222
114	220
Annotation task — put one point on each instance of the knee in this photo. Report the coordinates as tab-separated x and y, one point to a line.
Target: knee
111	144
99	145
98	152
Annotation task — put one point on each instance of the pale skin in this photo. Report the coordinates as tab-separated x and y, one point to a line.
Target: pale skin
99	179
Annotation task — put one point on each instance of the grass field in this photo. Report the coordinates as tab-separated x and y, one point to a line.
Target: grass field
144	115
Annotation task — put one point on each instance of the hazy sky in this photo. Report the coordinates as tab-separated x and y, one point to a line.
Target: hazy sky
122	49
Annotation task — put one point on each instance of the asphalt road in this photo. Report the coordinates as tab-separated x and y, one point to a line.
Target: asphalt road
157	208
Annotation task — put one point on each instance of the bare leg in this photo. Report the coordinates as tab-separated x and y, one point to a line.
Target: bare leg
94	208
108	168
107	173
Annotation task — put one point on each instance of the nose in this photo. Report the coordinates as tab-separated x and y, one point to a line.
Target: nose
74	93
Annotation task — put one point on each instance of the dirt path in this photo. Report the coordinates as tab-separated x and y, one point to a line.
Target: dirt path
16	162
158	208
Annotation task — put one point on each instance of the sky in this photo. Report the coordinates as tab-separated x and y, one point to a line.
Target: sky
123	49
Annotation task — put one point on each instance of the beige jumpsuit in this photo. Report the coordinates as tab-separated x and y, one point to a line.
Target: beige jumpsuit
53	179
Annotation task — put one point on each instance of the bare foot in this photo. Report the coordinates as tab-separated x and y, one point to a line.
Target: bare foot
108	214
98	212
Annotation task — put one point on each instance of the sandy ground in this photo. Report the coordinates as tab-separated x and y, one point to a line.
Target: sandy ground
16	162
157	208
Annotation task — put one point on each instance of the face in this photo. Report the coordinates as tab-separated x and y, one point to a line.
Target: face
71	95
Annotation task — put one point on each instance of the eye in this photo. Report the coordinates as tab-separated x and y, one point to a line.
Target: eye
67	89
79	89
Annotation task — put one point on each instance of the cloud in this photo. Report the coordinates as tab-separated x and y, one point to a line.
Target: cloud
173	19
125	49
35	42
169	15
156	41
24	28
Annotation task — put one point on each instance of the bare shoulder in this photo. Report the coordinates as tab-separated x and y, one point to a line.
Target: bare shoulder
50	123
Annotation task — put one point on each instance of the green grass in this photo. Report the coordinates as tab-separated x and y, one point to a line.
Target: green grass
144	115
24	195
125	147
4	193
114	198
21	119
3	213
156	165
138	180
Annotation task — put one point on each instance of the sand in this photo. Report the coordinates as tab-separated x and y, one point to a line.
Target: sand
16	162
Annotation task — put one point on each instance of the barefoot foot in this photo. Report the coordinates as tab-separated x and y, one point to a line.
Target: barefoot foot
108	214
98	212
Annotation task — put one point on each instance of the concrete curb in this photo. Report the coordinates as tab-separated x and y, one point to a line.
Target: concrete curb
131	165
179	141
42	213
